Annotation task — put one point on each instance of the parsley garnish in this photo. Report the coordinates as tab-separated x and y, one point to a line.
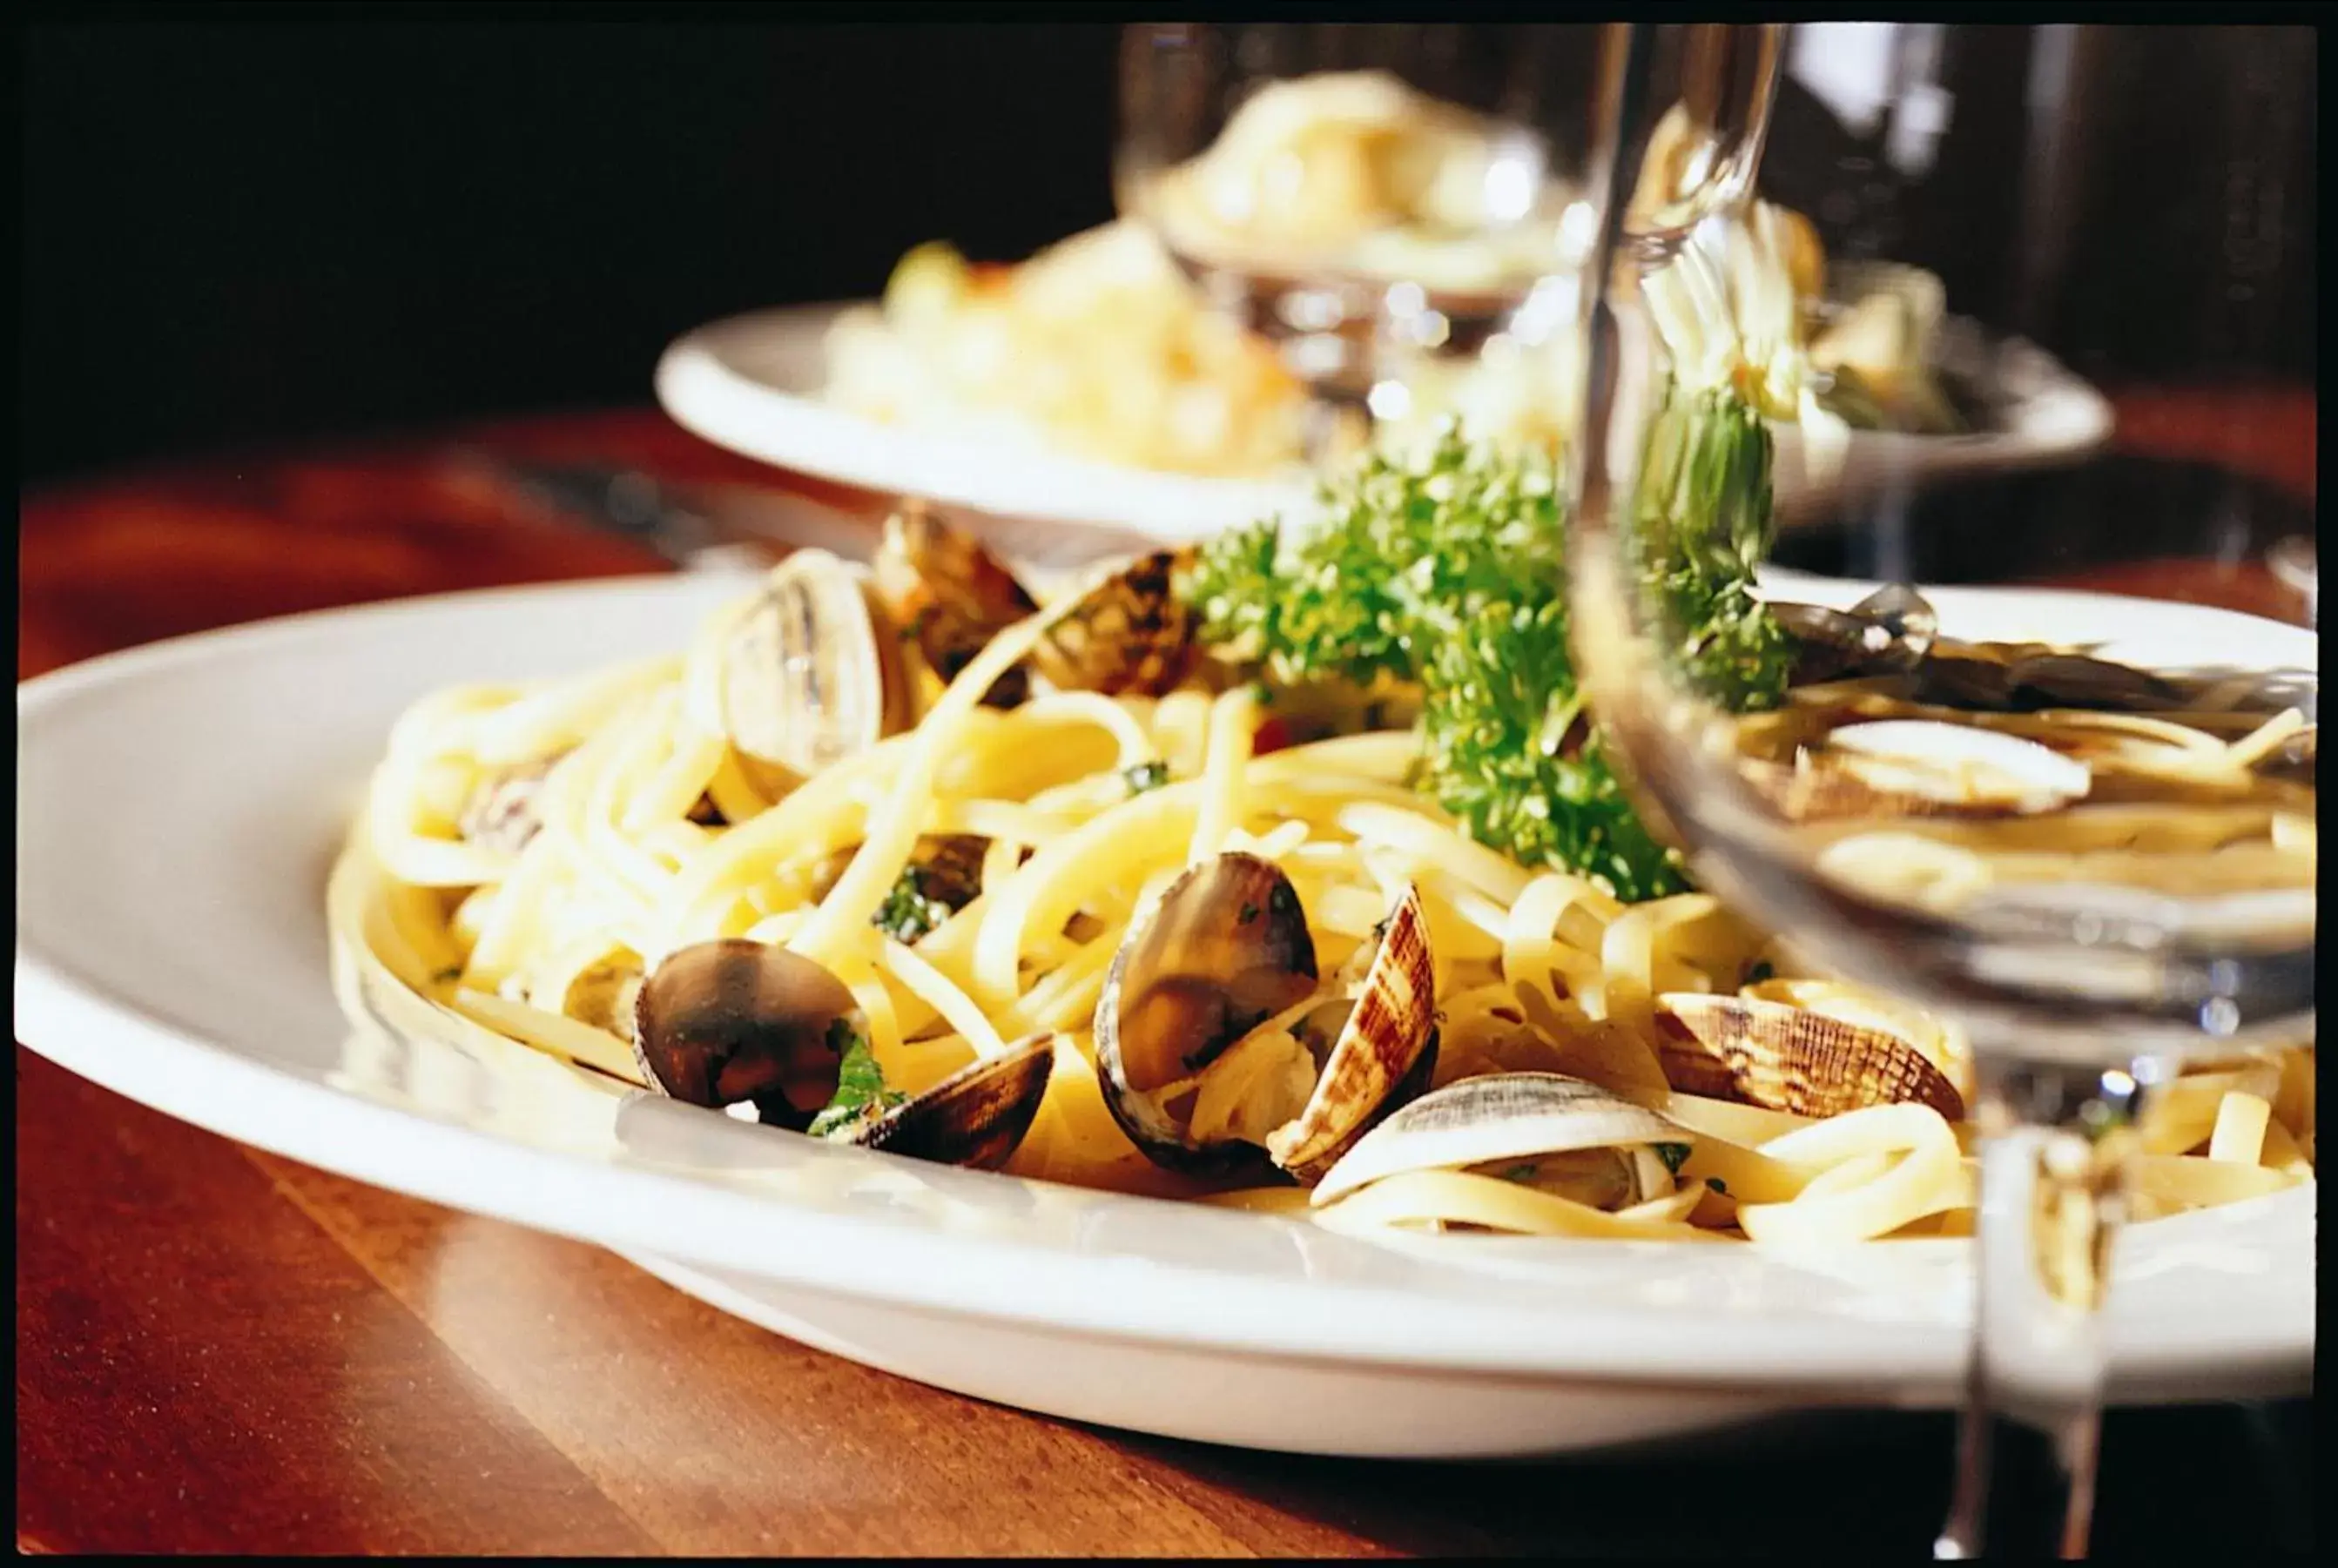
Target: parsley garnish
907	913
1446	569
1715	1184
1762	970
1145	777
861	1092
1674	1155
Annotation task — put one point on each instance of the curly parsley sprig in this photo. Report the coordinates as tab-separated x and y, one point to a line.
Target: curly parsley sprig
1446	569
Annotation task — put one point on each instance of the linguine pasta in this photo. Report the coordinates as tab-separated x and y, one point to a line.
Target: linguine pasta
651	831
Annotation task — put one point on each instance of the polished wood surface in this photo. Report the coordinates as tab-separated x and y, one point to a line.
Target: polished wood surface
220	1350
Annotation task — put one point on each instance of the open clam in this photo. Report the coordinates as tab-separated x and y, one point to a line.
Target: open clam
814	668
1543	1130
1214	1042
1921	767
1130	633
725	1022
949	594
812	671
1789	1058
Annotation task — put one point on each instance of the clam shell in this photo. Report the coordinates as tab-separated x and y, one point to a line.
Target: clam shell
812	672
2022	677
950	595
1788	1058
1887	632
501	811
1498	1116
1380	1049
1976	767
1921	767
1226	948
720	1022
976	1116
1130	635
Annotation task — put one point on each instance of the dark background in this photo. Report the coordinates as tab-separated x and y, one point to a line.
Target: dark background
251	232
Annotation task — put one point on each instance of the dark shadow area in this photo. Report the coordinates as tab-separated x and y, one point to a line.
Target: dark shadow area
2218	1482
238	233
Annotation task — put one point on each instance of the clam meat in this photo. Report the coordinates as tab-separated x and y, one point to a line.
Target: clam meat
605	996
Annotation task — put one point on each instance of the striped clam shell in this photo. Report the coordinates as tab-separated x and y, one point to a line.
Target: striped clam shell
1788	1058
1496	1116
811	672
1385	1052
1130	634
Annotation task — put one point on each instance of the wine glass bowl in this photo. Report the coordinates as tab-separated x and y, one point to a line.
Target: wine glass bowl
2096	858
1387	201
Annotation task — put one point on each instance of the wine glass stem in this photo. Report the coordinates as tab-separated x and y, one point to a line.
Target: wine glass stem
2055	1163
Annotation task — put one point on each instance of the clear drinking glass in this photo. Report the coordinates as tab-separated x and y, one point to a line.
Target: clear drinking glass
1934	861
1388	202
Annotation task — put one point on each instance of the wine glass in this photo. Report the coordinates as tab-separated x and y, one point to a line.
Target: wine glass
1389	204
1875	835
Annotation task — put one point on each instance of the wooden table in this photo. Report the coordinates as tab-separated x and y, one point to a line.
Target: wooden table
220	1350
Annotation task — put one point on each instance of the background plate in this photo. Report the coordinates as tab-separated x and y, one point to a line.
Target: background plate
751	383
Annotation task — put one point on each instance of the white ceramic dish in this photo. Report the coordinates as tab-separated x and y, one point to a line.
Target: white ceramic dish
179	805
751	384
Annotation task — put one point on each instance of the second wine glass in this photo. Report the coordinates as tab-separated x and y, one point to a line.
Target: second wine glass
1386	202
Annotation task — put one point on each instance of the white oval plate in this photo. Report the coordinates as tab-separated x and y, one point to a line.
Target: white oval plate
751	384
178	807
